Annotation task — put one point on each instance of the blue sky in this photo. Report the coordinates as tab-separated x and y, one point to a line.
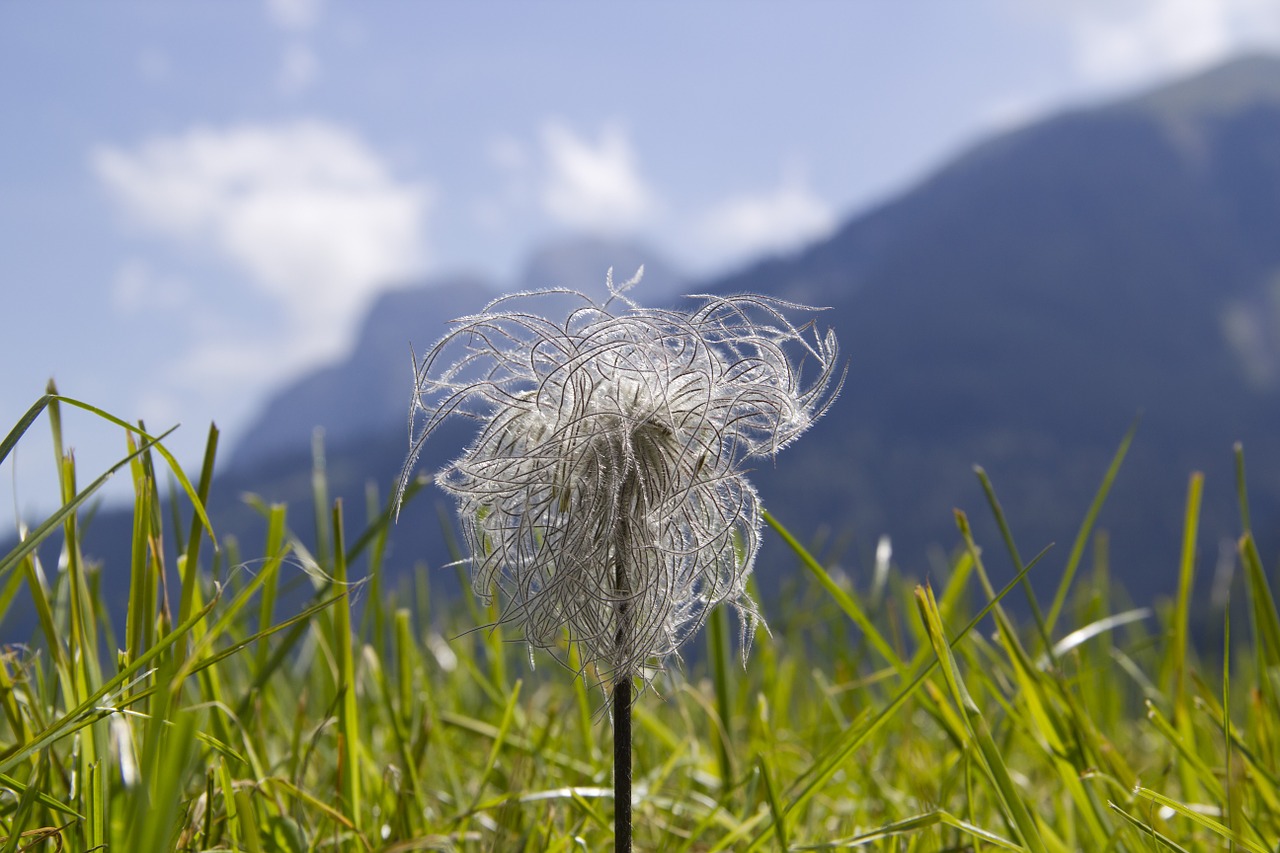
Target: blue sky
198	200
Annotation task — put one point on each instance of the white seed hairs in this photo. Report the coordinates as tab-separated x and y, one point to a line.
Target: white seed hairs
605	492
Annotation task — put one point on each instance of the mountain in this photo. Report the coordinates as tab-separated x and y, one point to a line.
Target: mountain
1028	301
1020	308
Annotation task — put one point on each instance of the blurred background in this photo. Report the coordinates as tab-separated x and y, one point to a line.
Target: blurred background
1035	222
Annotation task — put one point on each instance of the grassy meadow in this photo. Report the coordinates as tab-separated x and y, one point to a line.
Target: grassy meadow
224	711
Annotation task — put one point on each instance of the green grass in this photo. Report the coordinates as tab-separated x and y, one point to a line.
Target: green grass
913	717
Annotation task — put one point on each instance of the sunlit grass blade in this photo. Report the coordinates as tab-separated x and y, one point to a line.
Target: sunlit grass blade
1148	830
348	709
718	659
59	516
1086	530
499	740
377	527
1225	717
189	564
276	516
1266	619
1175	658
1007	534
33	790
24	423
296	623
29	796
1049	710
147	556
1005	789
832	757
1185	748
248	820
495	733
1202	819
157	441
156	819
87	709
1242	491
911	825
779	816
1082	635
847	602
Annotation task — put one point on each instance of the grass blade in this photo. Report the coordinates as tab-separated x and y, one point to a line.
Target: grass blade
842	598
59	517
1008	793
20	428
1086	529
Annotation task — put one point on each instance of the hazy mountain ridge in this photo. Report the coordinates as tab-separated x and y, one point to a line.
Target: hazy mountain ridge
1028	301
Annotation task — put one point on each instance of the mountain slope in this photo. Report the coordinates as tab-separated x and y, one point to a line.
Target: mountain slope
1022	306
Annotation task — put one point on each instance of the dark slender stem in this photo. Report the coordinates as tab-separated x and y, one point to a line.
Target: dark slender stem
622	765
622	686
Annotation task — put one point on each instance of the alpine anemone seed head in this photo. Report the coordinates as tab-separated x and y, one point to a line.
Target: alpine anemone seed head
605	492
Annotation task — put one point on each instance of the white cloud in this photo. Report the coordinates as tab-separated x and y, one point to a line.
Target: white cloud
776	220
593	186
294	14
306	209
1119	41
299	68
222	367
137	287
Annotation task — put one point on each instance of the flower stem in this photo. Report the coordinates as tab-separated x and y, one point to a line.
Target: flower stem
622	692
622	765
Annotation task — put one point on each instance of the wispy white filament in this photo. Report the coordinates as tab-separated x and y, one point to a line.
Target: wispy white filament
605	493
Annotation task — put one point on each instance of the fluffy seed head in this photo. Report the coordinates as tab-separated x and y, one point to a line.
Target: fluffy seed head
605	492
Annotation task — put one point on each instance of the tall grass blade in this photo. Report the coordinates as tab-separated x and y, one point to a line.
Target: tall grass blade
87	710
1242	490
1179	648
1266	618
189	564
1147	829
28	544
847	603
1202	819
20	428
1006	790
915	824
158	443
1086	530
348	709
718	659
779	816
1182	608
1007	534
830	760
